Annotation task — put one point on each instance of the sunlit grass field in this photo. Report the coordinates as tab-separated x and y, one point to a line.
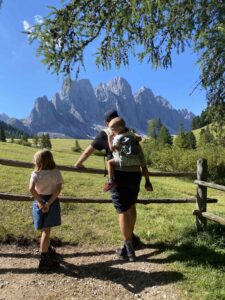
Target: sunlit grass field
201	258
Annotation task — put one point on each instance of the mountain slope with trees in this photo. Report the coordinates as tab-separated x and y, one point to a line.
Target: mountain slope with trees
10	131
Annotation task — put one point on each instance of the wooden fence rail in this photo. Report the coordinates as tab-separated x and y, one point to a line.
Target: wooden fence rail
15	197
22	164
210	185
201	199
210	216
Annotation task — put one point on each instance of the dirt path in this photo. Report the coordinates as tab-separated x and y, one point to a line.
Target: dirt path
91	273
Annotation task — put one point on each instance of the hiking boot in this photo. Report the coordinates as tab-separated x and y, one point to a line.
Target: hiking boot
53	254
130	251
109	185
136	241
46	263
121	253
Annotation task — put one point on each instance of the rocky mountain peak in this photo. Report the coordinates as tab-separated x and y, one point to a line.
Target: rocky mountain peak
78	109
186	114
144	95
120	87
41	103
163	102
4	117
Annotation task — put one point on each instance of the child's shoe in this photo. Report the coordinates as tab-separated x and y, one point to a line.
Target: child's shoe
109	185
53	254
46	263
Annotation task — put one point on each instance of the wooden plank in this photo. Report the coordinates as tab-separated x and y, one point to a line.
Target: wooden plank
16	163
201	197
15	197
210	185
210	217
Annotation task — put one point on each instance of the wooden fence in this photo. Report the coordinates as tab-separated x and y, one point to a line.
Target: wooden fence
201	199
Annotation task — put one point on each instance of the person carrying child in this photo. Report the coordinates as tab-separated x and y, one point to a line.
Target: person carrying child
126	152
45	186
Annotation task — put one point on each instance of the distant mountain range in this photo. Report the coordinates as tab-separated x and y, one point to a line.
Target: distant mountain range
78	110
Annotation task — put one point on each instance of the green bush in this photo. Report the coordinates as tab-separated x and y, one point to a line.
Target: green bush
23	143
175	159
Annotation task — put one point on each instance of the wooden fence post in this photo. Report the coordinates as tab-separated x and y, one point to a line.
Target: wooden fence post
201	197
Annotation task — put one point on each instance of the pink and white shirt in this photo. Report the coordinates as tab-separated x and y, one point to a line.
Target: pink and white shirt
46	181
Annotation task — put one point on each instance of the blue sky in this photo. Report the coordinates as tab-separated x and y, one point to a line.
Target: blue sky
23	77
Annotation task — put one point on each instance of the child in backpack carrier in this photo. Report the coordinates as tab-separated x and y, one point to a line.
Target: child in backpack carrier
126	152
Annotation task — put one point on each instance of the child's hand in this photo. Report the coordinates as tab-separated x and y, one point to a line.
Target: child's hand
45	208
40	205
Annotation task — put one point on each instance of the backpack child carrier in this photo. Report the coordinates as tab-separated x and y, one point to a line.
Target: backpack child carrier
127	151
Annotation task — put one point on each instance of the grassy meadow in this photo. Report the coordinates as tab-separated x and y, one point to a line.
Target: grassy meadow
169	228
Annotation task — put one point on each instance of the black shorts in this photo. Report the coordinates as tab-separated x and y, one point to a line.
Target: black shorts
126	193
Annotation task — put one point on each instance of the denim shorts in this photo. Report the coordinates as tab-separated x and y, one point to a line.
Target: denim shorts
51	218
126	193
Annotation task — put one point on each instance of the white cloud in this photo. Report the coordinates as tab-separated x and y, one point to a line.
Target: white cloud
38	19
27	26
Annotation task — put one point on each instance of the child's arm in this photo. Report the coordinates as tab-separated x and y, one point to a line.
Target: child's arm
55	194
35	194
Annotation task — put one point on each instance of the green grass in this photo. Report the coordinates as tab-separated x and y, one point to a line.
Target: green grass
169	228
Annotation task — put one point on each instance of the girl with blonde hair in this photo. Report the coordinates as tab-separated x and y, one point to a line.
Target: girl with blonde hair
45	186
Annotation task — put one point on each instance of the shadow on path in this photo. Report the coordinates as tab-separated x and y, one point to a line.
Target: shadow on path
132	280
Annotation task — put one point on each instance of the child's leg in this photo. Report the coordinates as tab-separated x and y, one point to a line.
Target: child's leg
111	182
45	240
111	163
47	260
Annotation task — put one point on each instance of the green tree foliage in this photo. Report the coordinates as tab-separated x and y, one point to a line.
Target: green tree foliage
190	140
204	119
151	131
2	135
11	131
174	159
45	141
206	137
35	141
164	137
180	138
23	141
159	132
150	30
217	112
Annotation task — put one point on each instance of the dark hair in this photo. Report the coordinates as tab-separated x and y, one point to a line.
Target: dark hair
111	114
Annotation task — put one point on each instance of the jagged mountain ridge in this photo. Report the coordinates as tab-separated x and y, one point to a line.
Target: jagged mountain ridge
78	110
